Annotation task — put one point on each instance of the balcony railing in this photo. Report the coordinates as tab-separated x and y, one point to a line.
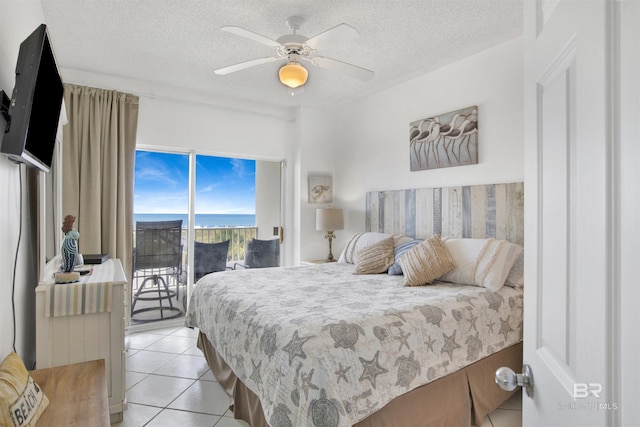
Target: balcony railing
237	236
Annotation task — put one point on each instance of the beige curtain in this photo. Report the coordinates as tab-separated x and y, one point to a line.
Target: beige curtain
98	153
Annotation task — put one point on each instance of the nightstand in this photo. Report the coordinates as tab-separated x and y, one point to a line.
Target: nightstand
317	261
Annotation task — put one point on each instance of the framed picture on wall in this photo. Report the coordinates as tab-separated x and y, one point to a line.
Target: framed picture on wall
447	140
320	189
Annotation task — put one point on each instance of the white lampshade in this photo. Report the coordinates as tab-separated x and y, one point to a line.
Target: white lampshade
329	219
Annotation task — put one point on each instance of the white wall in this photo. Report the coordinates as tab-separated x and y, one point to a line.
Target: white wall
317	155
368	139
17	21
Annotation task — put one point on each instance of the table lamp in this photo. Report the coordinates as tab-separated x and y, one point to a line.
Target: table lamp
329	220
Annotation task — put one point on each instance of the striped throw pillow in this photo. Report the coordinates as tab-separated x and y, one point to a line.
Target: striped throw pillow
375	258
425	262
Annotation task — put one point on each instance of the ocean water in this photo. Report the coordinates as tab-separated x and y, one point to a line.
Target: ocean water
202	220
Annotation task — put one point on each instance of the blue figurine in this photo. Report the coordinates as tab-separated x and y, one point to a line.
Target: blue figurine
69	244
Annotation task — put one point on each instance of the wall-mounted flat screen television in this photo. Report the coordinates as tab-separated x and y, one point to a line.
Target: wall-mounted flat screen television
35	104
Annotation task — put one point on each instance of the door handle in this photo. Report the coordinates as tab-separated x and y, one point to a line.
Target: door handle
509	380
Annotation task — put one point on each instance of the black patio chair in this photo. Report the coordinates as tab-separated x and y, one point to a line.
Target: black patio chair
209	258
261	254
157	261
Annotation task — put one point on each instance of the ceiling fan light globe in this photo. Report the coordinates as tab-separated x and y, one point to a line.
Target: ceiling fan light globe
293	75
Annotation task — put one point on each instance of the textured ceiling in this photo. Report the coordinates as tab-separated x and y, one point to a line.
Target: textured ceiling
179	42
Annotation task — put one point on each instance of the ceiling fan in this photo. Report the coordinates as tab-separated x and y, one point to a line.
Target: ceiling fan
295	48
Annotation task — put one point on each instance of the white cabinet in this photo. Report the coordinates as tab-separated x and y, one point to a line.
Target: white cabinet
70	338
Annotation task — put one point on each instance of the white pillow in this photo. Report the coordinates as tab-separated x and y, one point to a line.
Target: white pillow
464	253
481	262
364	239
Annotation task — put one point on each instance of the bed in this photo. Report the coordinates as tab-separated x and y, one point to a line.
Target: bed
320	346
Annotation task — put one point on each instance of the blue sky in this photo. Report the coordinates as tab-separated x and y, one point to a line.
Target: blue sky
223	185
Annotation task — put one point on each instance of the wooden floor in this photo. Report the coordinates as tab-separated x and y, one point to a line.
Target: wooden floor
77	394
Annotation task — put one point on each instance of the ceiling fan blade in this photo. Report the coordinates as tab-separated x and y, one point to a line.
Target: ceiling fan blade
246	64
333	36
251	36
348	69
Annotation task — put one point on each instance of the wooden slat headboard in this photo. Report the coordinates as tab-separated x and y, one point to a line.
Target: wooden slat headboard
477	211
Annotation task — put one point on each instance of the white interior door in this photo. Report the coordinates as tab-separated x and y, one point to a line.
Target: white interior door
627	373
568	241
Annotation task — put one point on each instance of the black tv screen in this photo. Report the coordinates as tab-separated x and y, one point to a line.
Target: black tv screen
35	103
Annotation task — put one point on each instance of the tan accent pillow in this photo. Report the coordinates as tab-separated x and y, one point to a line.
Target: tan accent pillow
361	240
22	401
375	258
425	262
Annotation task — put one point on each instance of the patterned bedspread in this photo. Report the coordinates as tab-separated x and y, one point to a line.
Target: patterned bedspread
321	346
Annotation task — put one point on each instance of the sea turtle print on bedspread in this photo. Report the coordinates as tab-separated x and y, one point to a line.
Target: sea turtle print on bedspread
323	347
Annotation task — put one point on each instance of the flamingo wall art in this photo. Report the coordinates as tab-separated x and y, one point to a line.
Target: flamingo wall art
450	139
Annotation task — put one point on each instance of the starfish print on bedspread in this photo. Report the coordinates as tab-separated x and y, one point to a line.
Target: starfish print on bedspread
342	373
253	329
465	314
505	328
294	347
403	337
430	344
255	375
450	344
490	325
371	369
306	383
472	322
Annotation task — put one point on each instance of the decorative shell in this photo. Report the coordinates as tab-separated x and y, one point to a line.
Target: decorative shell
380	333
432	314
494	299
268	340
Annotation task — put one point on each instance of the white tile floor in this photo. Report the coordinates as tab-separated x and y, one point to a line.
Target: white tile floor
168	383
